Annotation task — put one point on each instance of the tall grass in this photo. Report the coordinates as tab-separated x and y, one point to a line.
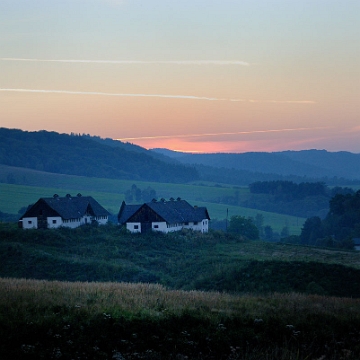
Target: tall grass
149	298
42	319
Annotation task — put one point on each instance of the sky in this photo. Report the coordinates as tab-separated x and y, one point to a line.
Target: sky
188	75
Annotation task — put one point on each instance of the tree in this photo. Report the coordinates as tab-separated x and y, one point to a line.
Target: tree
148	194
268	232
243	226
285	232
128	196
311	231
259	221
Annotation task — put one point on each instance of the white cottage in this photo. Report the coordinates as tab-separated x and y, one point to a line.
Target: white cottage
164	216
65	211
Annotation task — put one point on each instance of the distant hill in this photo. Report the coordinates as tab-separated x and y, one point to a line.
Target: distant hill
93	156
83	155
306	163
132	147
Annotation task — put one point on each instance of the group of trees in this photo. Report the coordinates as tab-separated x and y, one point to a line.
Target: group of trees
288	190
138	195
339	227
305	199
254	228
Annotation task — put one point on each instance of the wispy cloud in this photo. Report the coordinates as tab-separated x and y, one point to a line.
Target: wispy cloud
187	97
136	62
352	130
222	133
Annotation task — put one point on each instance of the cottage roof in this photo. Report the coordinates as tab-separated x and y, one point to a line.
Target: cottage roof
68	207
176	211
126	211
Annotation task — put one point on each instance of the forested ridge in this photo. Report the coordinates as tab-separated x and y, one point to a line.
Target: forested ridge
313	164
80	155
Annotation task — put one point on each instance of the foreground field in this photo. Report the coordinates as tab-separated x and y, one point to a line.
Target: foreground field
62	320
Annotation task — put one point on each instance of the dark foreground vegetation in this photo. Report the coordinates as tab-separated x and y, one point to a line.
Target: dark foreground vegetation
177	296
62	320
186	260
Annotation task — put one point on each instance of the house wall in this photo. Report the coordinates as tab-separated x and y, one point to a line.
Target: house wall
29	223
205	226
74	223
174	227
71	223
102	220
159	226
54	222
134	227
202	226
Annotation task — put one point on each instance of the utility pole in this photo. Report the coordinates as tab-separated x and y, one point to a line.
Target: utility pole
227	214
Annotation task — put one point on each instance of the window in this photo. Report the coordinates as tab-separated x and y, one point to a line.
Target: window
186	223
195	222
156	226
29	222
54	221
136	227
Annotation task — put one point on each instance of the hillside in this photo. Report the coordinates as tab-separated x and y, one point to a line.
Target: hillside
185	260
86	155
80	155
315	164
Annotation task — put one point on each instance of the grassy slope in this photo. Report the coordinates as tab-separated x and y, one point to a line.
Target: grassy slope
184	260
31	185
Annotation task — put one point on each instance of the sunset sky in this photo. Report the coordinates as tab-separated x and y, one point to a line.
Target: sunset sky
188	75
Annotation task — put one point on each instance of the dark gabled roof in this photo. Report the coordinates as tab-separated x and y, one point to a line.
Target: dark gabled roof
202	212
172	212
126	211
68	207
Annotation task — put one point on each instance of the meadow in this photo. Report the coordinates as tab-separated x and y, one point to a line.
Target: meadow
27	186
183	261
63	320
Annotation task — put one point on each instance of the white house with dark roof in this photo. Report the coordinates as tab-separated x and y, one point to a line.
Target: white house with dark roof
164	216
65	211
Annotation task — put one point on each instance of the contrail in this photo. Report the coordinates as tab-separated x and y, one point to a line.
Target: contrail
188	97
223	133
136	62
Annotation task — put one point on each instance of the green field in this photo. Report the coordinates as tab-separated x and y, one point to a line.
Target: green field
29	185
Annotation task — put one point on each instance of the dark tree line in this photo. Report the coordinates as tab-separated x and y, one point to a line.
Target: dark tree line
288	190
339	227
305	199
